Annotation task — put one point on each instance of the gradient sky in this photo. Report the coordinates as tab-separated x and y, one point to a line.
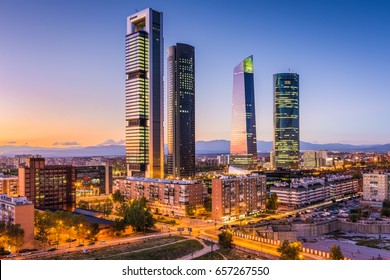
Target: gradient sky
62	66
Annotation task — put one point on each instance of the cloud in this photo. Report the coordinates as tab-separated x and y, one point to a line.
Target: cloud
112	142
11	142
68	143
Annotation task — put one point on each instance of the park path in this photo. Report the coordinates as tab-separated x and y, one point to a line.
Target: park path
206	249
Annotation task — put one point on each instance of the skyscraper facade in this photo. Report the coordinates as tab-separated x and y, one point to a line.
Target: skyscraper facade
181	110
144	95
243	146
286	121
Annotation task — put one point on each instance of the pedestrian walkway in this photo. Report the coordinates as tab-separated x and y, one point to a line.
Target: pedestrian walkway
204	251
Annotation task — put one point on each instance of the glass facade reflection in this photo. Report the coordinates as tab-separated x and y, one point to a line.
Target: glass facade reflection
243	146
144	95
181	111
286	120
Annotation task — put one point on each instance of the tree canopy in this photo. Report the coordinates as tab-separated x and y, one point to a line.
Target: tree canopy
290	251
138	215
11	235
336	253
272	202
225	239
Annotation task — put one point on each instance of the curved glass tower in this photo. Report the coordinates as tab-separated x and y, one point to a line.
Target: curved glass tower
286	121
243	146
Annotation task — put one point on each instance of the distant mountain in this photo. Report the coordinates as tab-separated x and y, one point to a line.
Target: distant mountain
108	150
202	147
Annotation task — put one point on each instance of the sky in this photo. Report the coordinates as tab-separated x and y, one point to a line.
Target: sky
62	67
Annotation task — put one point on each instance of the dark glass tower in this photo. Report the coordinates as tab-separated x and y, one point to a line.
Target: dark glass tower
181	110
286	120
243	146
144	95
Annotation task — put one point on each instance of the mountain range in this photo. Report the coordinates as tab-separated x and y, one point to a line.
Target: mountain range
202	147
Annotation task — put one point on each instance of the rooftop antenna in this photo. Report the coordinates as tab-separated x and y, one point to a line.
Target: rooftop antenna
289	70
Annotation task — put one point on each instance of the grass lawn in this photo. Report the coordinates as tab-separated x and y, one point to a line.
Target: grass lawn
232	254
109	252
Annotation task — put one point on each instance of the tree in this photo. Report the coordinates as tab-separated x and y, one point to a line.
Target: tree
11	235
119	226
290	251
118	197
354	217
386	203
335	253
208	204
225	239
15	235
385	212
272	202
107	207
138	216
121	211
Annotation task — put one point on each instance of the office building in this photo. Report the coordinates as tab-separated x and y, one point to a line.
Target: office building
243	143
286	121
168	197
181	111
237	197
144	95
48	186
376	186
93	180
314	159
19	210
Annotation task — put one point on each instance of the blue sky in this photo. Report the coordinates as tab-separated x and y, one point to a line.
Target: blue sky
62	66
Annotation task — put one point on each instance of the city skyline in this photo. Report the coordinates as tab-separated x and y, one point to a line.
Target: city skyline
67	79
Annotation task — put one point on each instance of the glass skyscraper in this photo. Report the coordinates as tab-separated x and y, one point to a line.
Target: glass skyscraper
286	121
144	95
181	110
243	142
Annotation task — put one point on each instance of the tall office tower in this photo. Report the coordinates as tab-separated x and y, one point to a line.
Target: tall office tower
144	95
286	120
181	110
243	146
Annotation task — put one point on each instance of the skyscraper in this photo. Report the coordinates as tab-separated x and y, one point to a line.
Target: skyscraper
286	120
181	110
243	146
144	95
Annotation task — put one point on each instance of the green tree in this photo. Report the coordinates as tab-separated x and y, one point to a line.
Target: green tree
225	239
290	251
272	202
138	216
208	204
386	203
118	197
44	224
385	212
119	226
15	235
335	253
3	235
121	211
354	217
107	207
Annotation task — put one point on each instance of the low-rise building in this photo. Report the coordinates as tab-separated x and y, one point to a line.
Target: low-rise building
300	192
171	197
236	197
18	210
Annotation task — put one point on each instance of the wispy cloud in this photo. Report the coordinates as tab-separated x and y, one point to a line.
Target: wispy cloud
67	143
11	142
